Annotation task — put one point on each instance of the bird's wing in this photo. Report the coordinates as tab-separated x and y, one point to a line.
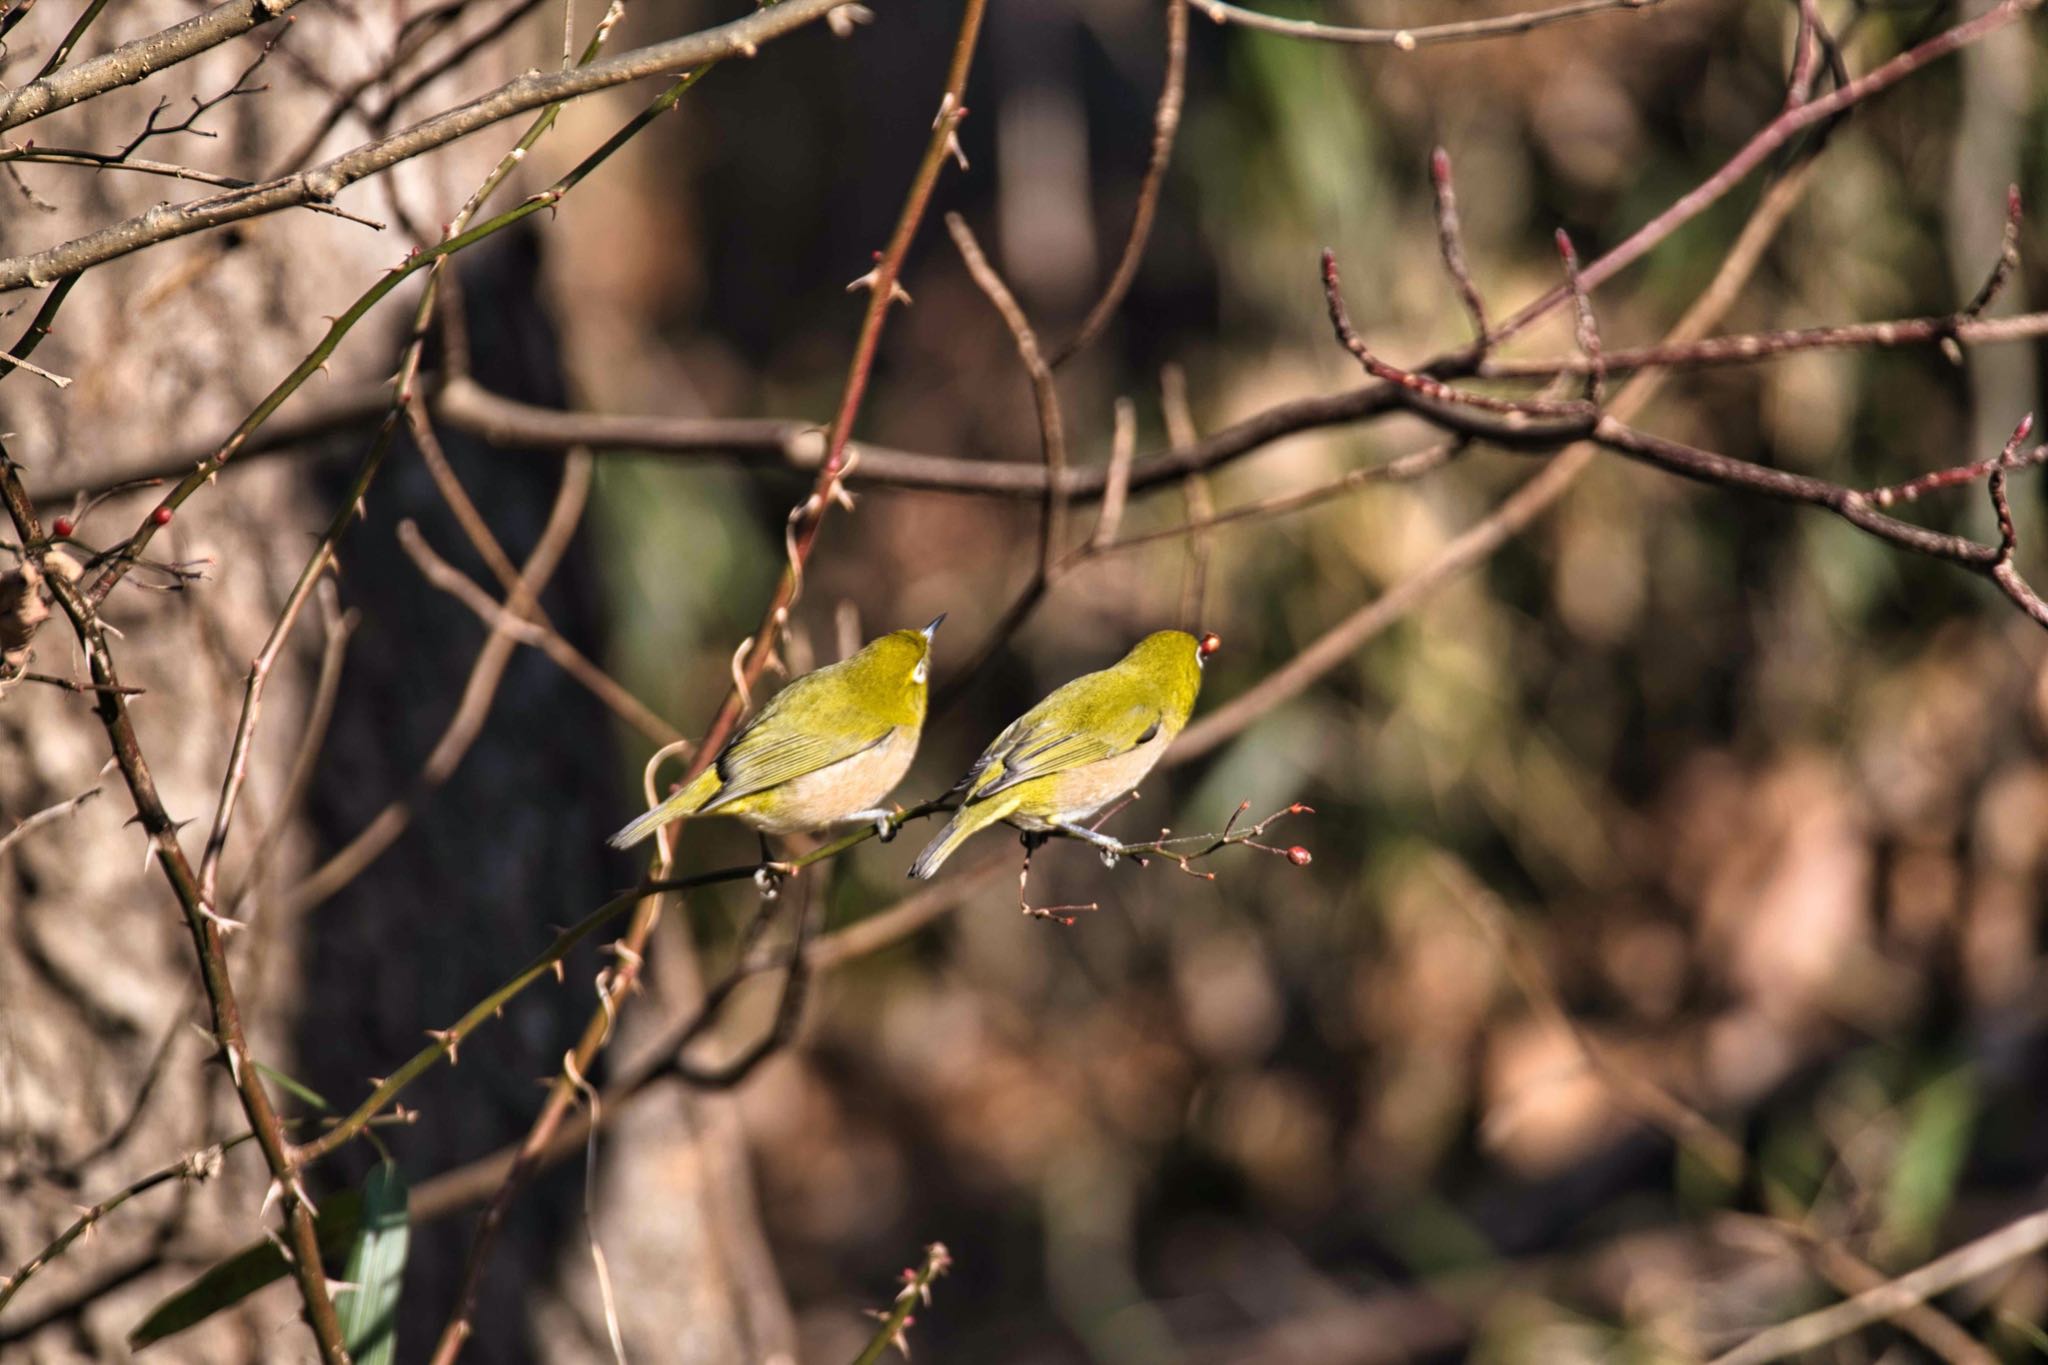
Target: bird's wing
1039	748
761	756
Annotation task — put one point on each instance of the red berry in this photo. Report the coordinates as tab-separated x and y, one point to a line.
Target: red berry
63	526
162	516
1300	856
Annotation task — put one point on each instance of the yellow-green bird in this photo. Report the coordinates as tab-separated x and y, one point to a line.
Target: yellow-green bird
825	750
1081	748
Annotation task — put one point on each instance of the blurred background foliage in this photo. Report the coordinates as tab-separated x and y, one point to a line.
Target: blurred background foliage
1765	800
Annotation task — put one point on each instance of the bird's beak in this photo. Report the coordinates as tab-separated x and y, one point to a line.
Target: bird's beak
936	621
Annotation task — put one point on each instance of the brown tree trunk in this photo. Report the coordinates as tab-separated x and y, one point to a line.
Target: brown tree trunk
102	1075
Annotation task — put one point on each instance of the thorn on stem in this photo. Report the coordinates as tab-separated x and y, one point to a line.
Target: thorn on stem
448	1038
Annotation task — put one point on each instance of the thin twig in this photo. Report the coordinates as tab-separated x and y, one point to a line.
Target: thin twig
1165	125
195	1167
1123	446
1764	143
471	710
1992	1252
1052	437
340	625
478	1180
1198	502
455	239
29	823
1401	469
1851	1274
1450	241
897	1319
1408	39
1472	546
537	635
318	184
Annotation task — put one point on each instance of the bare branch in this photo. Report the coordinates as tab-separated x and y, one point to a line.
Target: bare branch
1472	546
470	711
321	183
133	61
537	634
28	824
1165	126
1994	1251
1450	240
1408	39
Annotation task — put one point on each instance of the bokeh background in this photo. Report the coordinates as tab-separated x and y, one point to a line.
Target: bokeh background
1764	799
1764	803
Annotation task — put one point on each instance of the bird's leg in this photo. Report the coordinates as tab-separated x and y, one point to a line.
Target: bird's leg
1031	844
1034	840
883	818
1111	849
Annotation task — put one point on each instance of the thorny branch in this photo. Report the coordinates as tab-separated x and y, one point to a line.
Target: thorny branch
321	183
884	292
897	1319
302	1248
196	1167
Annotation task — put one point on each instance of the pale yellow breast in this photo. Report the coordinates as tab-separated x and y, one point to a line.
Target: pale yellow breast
828	795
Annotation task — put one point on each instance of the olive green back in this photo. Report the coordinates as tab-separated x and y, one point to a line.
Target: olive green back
827	715
1150	690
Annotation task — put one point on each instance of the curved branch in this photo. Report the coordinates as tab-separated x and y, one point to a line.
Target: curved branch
1165	126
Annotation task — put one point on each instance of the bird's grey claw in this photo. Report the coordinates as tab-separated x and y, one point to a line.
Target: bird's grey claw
885	829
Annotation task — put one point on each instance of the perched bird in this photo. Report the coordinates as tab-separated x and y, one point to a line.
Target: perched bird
1081	748
825	749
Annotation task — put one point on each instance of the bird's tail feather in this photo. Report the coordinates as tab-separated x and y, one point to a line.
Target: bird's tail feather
966	821
688	801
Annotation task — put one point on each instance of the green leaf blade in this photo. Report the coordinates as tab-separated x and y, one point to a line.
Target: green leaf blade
368	1310
242	1274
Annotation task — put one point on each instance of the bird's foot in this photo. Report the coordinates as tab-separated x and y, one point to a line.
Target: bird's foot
769	877
1110	849
884	819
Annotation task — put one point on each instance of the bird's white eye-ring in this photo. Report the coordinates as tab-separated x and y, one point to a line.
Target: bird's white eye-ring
922	671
